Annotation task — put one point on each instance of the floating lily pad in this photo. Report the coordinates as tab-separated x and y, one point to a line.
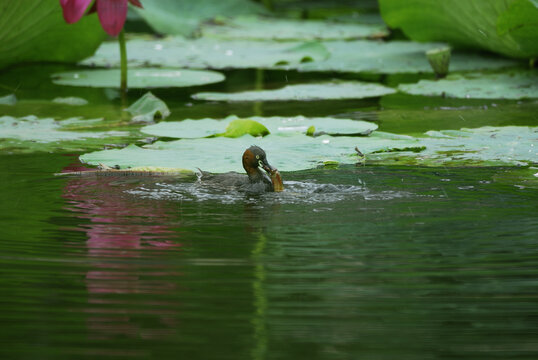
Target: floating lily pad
138	78
147	108
304	92
484	146
10	99
517	85
263	28
221	154
71	100
396	57
487	146
276	125
490	145
339	56
301	124
35	134
183	17
209	53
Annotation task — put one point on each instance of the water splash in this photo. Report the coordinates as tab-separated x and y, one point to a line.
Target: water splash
296	192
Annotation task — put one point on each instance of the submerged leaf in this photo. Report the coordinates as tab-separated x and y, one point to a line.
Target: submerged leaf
147	108
262	28
240	127
276	125
522	177
138	78
447	114
514	85
304	92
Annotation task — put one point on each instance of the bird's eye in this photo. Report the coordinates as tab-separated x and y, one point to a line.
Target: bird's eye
258	157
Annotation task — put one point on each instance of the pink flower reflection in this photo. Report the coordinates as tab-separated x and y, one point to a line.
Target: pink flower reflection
126	236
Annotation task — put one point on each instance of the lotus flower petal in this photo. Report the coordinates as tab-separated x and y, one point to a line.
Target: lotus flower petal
74	9
112	15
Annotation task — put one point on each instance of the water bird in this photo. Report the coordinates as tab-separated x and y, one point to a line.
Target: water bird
255	182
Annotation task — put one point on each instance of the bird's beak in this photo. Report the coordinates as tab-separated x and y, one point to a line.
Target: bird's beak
265	166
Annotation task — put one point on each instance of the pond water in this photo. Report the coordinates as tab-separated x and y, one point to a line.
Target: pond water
374	262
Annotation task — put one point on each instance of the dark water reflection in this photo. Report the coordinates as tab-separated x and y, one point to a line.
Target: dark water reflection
370	262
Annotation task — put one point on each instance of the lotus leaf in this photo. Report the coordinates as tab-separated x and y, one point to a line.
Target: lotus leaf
485	146
30	133
304	92
512	85
396	57
521	23
184	17
209	53
510	145
276	125
221	154
506	27
138	78
339	56
262	28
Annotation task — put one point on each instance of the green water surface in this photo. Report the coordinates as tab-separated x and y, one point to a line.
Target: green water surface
367	262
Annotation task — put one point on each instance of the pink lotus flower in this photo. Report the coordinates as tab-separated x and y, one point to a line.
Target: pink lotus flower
112	13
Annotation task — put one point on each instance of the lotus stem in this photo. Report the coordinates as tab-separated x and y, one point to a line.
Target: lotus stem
123	57
258	85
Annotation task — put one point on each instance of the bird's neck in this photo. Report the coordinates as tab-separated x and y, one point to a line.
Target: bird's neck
255	175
